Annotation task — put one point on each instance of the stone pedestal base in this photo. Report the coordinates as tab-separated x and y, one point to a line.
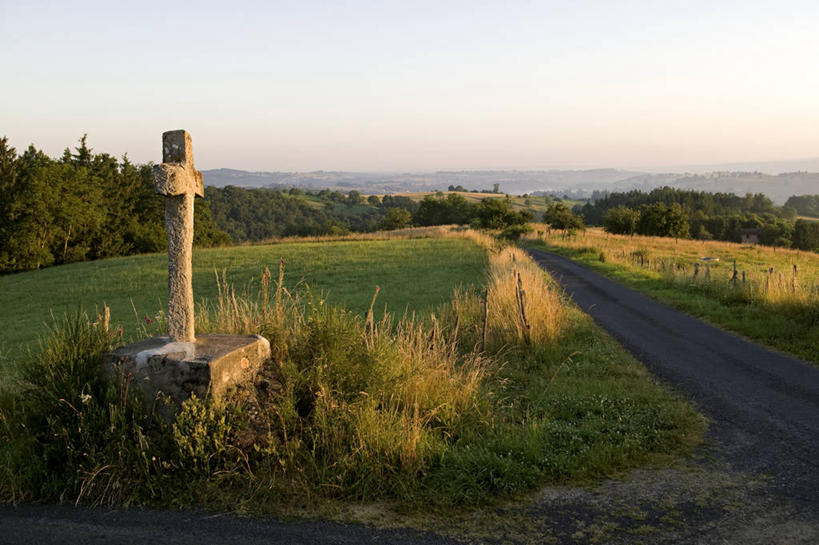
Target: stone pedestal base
209	366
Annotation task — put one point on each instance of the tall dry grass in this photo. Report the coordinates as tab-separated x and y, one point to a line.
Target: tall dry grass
417	380
523	307
359	392
741	272
518	307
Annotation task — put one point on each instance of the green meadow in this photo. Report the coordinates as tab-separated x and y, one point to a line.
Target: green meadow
476	397
413	274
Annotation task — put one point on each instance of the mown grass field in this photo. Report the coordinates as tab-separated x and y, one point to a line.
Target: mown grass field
414	274
772	306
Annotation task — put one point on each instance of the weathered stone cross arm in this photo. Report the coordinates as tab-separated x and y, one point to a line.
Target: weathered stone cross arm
176	175
179	181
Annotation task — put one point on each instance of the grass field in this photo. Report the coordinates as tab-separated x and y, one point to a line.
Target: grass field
772	305
455	406
414	274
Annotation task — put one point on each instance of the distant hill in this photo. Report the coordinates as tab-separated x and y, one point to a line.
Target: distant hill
810	164
778	187
510	181
578	184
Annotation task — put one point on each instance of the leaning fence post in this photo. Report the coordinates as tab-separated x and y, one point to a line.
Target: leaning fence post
485	318
521	297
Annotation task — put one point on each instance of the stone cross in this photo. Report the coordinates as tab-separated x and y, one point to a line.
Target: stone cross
179	182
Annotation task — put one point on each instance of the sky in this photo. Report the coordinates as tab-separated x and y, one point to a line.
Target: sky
415	85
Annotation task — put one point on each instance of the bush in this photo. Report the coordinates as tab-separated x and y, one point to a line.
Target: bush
514	232
396	218
558	216
621	221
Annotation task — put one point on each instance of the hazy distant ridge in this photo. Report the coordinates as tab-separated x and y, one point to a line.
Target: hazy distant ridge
577	183
511	181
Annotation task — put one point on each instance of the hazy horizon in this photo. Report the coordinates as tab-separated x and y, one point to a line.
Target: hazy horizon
414	87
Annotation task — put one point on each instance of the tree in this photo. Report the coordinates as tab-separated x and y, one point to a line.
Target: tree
395	218
806	205
498	214
661	220
452	208
82	206
777	232
559	216
354	197
806	235
621	221
390	201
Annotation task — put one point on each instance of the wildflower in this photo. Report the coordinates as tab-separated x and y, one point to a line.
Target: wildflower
147	320
85	398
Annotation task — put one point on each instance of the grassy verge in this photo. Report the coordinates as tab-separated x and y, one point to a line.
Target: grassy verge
773	298
413	273
446	409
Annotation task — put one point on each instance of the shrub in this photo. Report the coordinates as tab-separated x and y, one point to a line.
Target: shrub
514	232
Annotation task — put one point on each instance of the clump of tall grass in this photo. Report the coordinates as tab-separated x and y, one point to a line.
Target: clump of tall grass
523	306
364	404
518	308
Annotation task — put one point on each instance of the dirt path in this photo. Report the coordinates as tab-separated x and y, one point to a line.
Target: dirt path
756	481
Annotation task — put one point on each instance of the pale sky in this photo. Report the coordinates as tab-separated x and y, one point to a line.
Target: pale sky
414	85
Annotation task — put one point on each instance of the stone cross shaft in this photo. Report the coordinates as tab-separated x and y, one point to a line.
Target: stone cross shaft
179	182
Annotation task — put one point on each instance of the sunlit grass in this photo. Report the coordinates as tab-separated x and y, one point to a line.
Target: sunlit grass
768	294
421	410
413	273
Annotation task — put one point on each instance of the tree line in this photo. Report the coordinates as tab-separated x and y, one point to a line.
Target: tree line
805	205
85	205
264	213
682	213
82	206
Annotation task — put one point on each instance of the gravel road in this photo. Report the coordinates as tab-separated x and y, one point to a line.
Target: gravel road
756	481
